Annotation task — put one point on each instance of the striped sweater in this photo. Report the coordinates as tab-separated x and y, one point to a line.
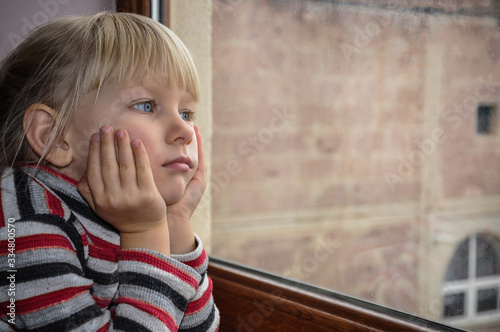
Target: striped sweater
62	267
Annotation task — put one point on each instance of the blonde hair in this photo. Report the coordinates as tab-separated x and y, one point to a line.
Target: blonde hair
63	60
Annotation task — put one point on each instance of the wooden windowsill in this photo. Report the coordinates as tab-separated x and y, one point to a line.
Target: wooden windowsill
252	300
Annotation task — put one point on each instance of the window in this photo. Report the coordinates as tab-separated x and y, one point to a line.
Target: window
319	162
472	281
486	115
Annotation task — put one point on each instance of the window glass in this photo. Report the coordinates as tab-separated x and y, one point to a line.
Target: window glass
486	257
346	151
487	299
458	269
485	119
454	305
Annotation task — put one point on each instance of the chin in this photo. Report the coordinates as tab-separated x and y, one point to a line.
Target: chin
172	196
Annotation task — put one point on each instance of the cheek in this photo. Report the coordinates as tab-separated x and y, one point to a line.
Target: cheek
136	131
193	152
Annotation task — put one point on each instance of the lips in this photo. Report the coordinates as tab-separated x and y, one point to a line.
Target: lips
179	164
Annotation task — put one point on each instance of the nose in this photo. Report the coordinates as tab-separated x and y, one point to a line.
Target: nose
180	131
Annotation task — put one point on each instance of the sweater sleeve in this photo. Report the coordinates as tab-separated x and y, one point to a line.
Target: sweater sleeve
53	290
164	291
201	313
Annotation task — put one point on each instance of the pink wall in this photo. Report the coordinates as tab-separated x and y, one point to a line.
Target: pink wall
18	17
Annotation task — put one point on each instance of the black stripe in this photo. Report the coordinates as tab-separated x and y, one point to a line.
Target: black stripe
77	319
23	194
40	271
203	326
136	279
66	227
102	278
203	276
125	324
84	210
76	238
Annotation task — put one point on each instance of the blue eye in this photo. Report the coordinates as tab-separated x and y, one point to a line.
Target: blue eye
187	115
146	107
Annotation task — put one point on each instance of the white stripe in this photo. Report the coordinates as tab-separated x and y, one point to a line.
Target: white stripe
150	296
98	231
28	228
9	198
47	255
201	289
102	265
39	287
198	317
149	271
141	317
58	311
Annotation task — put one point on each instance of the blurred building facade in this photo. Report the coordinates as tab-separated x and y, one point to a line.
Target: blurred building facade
356	146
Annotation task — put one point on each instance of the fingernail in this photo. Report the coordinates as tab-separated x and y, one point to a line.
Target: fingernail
106	129
120	134
95	138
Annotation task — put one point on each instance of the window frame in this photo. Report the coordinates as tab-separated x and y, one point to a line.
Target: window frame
470	287
339	311
146	8
249	298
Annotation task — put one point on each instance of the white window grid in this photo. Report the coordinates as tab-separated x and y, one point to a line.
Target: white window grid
470	288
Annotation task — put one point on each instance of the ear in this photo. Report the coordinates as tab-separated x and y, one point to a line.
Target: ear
38	125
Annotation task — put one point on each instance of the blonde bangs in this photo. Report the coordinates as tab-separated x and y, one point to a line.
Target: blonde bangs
136	47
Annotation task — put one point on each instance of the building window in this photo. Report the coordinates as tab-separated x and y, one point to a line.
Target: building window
472	281
486	116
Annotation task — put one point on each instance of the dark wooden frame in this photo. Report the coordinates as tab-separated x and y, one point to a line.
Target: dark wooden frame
143	7
252	300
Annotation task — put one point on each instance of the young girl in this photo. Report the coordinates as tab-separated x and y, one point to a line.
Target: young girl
102	169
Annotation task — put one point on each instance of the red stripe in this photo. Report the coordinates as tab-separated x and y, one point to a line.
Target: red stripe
100	253
85	241
39	302
195	263
102	302
131	255
199	304
53	172
37	242
152	310
54	204
98	242
104	328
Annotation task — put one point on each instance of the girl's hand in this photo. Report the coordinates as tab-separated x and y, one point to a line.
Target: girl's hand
179	214
123	191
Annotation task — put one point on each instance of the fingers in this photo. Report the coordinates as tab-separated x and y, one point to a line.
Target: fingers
142	166
201	152
111	166
202	167
94	175
108	162
125	159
